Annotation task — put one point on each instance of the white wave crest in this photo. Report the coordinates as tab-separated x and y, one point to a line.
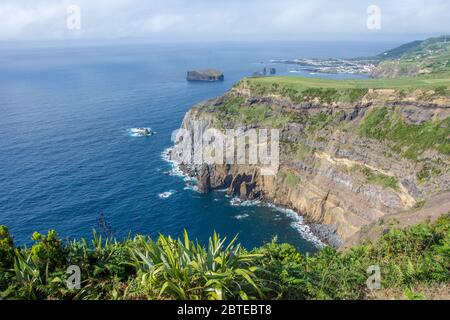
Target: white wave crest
236	201
191	182
191	187
299	224
141	132
166	194
241	216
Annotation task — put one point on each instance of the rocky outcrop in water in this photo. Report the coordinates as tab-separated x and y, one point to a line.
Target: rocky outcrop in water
209	75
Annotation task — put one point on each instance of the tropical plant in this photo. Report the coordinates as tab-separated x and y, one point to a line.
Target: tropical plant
176	269
168	268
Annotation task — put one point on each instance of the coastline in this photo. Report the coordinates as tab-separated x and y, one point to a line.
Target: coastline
319	235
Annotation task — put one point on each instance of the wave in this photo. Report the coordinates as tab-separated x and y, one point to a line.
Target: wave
237	202
176	171
191	187
241	216
298	223
297	220
140	132
166	194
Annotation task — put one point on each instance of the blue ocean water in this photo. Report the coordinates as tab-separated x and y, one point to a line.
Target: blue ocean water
66	153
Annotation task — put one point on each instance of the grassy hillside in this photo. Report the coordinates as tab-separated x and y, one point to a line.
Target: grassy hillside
416	58
396	53
300	83
141	268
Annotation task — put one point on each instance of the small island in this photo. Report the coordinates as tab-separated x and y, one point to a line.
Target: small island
208	75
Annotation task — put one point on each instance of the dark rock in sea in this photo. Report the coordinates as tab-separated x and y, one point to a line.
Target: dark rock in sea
209	75
326	233
204	179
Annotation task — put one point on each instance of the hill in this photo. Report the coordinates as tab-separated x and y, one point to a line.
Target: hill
415	58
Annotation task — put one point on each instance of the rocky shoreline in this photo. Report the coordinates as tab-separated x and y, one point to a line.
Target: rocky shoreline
326	234
339	180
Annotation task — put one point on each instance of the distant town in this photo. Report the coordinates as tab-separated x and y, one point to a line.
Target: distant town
332	65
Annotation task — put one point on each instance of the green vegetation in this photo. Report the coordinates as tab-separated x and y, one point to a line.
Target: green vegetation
397	52
415	58
6	247
290	178
428	170
383	180
405	259
234	109
442	91
408	139
264	115
319	121
141	268
282	84
419	204
175	269
378	178
299	91
297	150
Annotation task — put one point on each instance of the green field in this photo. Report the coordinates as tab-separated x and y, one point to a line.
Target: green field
300	83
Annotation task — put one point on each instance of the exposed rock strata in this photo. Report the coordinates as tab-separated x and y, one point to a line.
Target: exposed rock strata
327	189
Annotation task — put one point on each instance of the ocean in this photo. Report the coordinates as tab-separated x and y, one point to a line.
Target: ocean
68	155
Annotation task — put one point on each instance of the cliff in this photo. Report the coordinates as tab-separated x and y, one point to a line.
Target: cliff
349	157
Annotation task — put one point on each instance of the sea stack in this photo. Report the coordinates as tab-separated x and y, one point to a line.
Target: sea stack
208	75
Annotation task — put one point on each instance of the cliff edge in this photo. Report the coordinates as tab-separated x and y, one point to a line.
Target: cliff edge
349	156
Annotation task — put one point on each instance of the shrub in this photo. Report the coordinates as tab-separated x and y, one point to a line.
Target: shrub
441	90
142	268
47	251
378	178
6	248
319	121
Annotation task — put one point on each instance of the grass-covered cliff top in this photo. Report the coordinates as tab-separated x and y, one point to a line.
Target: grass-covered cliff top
141	268
429	89
428	81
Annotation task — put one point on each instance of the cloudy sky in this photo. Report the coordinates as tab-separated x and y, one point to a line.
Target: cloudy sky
25	20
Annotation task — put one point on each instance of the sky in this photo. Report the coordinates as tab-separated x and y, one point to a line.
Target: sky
36	20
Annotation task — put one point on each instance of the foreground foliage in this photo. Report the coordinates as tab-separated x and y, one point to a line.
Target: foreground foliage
167	268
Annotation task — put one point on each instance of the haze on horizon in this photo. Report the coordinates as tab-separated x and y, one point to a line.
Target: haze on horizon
167	20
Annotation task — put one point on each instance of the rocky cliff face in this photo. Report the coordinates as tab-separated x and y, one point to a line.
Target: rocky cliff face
343	164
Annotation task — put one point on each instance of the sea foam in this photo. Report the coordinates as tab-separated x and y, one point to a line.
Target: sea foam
297	220
241	216
177	172
166	194
135	132
297	223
